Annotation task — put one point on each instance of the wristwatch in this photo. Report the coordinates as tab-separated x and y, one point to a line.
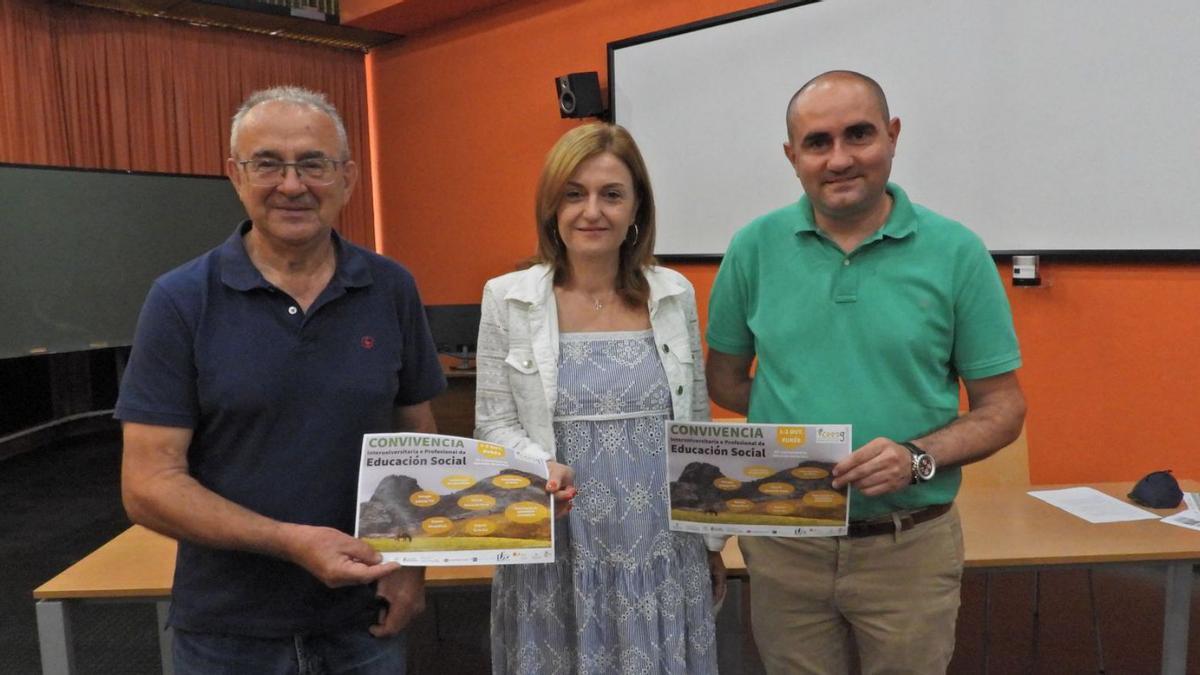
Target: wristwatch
923	463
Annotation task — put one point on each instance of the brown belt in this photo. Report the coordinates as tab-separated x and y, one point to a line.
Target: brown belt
870	528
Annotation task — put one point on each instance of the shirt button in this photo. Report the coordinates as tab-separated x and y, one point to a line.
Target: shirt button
846	262
527	363
679	390
666	349
292	309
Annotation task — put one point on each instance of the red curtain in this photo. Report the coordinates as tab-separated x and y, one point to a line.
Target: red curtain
90	88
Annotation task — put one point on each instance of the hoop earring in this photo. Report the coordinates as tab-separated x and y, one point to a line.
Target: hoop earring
636	234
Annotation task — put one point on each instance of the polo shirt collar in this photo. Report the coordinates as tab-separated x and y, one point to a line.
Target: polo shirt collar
901	222
239	273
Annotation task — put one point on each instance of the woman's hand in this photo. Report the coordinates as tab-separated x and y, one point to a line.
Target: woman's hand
561	484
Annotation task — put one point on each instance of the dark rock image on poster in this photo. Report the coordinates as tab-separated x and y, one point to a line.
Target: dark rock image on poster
805	490
757	479
428	499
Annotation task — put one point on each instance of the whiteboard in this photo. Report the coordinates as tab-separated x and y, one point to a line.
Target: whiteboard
1046	126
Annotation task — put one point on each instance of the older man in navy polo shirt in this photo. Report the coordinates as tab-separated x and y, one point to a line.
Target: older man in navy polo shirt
255	371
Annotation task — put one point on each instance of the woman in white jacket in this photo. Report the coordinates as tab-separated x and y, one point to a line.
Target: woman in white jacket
581	359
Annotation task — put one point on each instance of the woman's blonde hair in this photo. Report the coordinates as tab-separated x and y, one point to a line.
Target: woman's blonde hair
574	148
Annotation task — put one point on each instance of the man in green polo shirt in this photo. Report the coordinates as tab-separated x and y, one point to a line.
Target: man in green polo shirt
863	308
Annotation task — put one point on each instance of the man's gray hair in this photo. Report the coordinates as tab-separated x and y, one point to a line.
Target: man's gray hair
296	96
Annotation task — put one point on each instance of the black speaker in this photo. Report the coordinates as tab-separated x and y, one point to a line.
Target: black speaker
579	95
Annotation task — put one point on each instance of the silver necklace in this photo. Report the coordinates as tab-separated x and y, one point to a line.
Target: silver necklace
596	303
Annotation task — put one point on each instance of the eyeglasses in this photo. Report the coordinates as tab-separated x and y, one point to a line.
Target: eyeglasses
315	171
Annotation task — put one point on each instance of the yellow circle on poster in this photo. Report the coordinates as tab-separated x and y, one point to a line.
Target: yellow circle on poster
437	525
809	472
739	505
490	450
478	527
424	498
790	437
727	483
758	471
780	508
509	481
823	498
526	512
776	489
476	502
458	481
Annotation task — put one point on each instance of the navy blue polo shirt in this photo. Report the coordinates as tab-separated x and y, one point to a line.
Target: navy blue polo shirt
278	400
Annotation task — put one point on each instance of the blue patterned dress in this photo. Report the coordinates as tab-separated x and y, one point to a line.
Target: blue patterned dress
625	594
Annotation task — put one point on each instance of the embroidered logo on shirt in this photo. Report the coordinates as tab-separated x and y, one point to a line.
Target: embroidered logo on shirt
367	342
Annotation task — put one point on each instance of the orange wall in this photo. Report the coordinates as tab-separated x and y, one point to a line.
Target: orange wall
465	113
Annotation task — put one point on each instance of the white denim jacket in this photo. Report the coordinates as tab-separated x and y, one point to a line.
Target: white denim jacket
517	357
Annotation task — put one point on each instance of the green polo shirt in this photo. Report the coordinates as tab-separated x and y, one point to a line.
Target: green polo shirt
876	339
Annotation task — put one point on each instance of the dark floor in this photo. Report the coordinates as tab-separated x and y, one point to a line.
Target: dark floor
61	503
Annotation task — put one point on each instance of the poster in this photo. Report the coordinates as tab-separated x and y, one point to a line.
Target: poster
757	479
427	499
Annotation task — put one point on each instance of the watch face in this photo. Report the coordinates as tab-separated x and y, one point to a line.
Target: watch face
925	467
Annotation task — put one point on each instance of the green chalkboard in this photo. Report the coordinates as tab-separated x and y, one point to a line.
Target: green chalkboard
79	249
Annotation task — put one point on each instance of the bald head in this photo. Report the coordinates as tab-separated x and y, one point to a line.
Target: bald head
836	78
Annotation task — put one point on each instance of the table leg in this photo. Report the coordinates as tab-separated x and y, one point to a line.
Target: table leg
164	637
731	629
54	638
1176	615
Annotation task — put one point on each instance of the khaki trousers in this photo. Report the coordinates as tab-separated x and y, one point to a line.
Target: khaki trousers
895	596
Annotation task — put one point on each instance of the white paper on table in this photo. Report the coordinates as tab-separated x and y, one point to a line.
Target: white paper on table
1092	505
1191	500
1189	519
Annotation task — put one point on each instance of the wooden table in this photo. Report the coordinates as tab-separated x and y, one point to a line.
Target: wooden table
1003	528
139	565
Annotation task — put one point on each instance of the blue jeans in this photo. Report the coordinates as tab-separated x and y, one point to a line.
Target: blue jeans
351	651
